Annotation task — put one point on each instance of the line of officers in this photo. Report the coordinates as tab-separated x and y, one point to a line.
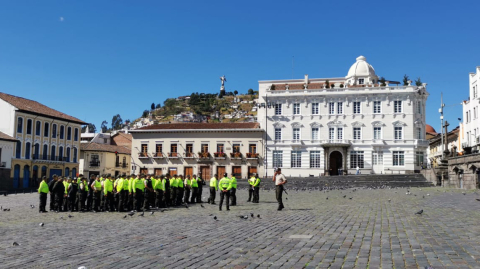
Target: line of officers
136	192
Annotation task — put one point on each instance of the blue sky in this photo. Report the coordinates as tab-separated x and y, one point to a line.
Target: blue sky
109	57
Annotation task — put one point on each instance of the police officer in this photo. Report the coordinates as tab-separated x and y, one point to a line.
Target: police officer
108	194
138	188
131	197
233	191
180	189
43	191
188	187
52	194
121	186
213	189
256	189
225	185
82	193
173	190
149	193
90	193
159	188
66	184
72	196
59	190
200	183
251	181
97	193
166	191
194	183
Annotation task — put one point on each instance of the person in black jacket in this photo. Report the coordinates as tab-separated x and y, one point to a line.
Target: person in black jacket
82	193
52	194
72	196
90	193
200	182
59	190
166	195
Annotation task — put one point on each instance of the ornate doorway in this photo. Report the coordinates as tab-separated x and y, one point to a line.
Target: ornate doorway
336	160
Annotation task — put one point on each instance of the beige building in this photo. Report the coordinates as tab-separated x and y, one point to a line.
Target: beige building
100	159
199	148
48	141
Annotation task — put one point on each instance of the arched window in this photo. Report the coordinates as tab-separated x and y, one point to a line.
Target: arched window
18	150
75	136
62	131
54	153
44	171
75	153
27	150
16	176
54	131
19	125
26	176
124	162
67	172
46	130
35	175
45	152
29	126
38	127
74	172
36	151
60	153
69	133
68	156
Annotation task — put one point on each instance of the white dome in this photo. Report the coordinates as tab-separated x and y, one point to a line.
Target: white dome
361	69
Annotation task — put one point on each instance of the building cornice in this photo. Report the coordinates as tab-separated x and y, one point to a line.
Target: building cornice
195	130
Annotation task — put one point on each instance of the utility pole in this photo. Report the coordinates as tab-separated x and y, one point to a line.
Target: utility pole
440	110
446	139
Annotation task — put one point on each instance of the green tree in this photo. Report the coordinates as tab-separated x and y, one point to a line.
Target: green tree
117	122
91	128
382	82
158	106
250	91
327	84
418	82
104	126
405	80
145	113
235	92
152	107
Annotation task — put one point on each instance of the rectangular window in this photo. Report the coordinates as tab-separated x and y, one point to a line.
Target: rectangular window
377	132
278	134
236	148
331	108
398	158
296	159
357	133
340	108
397	106
75	134
331	133
29	126
361	81
144	150
398	133
419	107
278	109
377	107
204	148
189	150
158	149
339	133
296	109
54	131
419	158
377	158
173	148
62	131
46	130
69	133
252	148
277	158
314	133
38	127
356	107
315	109
296	134
419	133
19	125
315	159
220	148
356	159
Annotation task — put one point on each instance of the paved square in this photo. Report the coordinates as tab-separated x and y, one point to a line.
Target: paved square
367	231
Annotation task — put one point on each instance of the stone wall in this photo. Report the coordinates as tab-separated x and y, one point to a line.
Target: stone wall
464	171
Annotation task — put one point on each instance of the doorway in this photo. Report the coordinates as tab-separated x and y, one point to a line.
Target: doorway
220	171
157	172
26	176
205	172
336	160
251	170
237	171
188	171
172	171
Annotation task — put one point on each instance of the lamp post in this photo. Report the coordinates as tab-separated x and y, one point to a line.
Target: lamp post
440	110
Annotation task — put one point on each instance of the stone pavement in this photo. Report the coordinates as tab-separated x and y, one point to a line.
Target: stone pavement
367	231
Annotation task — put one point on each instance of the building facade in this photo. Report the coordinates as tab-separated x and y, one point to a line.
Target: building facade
435	147
331	126
48	141
198	148
471	120
100	159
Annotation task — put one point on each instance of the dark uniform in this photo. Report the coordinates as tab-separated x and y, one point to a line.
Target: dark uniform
166	194
82	194
97	194
149	194
90	193
59	190
72	196
52	194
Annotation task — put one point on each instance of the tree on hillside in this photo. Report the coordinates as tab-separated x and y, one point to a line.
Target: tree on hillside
158	106
104	126
418	82
235	92
405	80
152	106
117	122
145	113
169	103
250	91
91	128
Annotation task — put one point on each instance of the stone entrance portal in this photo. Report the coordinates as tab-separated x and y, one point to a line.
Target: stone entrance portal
336	160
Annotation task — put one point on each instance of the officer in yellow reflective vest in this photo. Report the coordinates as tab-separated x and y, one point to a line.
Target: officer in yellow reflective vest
251	181
131	198
233	191
173	190
187	182
82	194
108	194
149	199
180	189
225	185
97	192
138	187
159	188
256	189
166	191
194	183
43	191
200	183
213	189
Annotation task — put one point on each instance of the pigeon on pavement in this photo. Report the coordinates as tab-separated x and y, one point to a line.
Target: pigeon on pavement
152	213
41	224
419	212
15	244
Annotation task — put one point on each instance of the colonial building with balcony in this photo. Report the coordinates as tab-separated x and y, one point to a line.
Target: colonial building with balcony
328	126
100	159
198	148
47	141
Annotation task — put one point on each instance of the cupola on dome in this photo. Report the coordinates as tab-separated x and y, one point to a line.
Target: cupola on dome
361	72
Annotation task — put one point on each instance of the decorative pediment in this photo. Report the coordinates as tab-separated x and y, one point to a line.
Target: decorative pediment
297	125
378	123
335	123
358	124
278	125
398	123
315	125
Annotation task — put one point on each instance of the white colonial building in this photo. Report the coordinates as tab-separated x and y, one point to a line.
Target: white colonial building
328	126
198	148
471	121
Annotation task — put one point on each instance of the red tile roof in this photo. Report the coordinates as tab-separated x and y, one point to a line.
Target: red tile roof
198	126
5	137
35	107
104	147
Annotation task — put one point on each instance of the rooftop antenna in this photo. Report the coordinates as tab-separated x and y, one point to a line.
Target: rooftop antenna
293	65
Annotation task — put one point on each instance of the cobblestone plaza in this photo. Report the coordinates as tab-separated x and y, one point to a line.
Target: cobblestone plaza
366	231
